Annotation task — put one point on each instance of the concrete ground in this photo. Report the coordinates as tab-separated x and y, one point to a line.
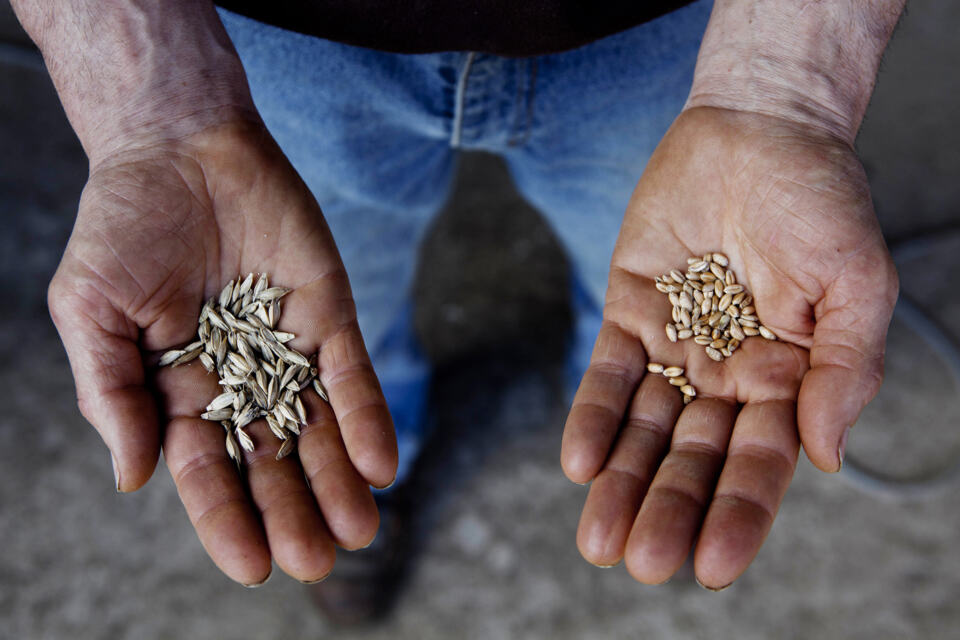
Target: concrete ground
495	538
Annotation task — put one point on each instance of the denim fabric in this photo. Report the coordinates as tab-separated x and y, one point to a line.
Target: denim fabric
375	135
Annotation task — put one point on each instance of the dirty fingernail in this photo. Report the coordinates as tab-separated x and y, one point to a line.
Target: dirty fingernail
713	589
841	450
116	472
254	585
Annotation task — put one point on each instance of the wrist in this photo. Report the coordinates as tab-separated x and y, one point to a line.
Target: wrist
133	73
813	63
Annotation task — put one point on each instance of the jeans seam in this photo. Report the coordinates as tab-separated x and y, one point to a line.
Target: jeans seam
457	127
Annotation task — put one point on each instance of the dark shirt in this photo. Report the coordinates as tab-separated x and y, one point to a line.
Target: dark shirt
504	27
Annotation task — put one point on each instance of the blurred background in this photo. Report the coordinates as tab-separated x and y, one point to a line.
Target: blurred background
495	555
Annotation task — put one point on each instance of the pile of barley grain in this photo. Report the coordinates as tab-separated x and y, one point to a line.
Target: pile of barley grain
261	376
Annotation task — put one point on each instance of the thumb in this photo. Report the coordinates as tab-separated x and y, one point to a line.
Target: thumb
846	361
101	343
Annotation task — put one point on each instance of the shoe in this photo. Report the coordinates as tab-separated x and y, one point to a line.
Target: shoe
364	584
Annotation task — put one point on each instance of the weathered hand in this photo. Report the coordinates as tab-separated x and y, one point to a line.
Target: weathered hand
791	209
162	227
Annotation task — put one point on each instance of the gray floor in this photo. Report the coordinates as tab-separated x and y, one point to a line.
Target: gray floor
495	557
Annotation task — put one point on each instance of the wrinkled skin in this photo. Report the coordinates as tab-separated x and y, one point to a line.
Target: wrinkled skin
790	207
161	227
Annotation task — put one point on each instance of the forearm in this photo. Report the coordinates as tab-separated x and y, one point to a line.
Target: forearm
812	61
129	71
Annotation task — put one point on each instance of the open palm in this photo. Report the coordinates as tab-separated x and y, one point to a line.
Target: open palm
791	209
160	229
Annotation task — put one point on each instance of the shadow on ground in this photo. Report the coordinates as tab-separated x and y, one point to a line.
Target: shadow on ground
494	535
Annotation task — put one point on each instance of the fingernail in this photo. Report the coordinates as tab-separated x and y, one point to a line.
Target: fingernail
841	450
116	473
254	585
713	589
320	579
367	546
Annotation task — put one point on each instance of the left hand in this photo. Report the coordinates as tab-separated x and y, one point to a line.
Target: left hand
790	207
162	227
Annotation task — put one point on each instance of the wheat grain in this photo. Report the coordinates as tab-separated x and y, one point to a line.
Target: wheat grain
713	354
671	332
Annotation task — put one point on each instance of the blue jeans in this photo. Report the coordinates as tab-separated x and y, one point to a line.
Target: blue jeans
375	136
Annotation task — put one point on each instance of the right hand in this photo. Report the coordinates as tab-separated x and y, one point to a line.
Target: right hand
161	227
790	207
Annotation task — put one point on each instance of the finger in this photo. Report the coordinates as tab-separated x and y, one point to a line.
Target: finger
344	497
760	462
358	403
207	480
210	488
108	371
346	372
618	490
296	533
846	363
672	511
616	365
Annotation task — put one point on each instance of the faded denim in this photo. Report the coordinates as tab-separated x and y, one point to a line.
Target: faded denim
375	136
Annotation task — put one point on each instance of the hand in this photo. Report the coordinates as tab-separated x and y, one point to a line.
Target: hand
790	207
161	227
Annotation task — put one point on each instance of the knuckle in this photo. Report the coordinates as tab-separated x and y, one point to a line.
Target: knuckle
85	406
892	283
57	293
873	375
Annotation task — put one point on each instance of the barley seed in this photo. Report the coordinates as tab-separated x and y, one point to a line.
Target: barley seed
261	377
286	448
